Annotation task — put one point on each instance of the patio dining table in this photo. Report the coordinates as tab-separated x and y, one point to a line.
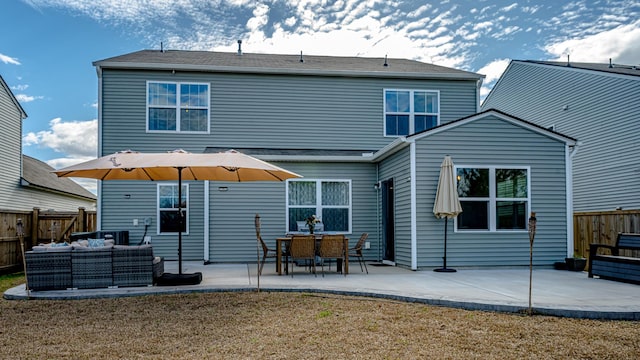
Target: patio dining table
283	241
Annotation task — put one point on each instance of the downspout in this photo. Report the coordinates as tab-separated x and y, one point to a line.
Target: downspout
99	184
207	224
378	211
569	154
414	235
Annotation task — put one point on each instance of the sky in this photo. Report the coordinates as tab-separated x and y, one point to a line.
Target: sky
47	47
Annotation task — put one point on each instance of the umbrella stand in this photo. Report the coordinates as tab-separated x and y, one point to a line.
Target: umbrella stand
444	268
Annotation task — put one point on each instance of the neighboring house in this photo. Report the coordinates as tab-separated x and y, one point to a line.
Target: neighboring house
596	103
367	134
26	182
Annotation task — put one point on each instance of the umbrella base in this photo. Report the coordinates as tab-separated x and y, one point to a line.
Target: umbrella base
168	279
449	270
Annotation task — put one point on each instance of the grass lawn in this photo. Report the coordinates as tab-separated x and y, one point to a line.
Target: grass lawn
252	325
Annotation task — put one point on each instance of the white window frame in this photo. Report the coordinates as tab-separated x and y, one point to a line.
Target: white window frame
319	207
493	199
411	112
159	209
178	106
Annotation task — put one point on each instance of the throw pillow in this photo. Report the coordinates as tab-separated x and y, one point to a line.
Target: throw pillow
59	244
93	243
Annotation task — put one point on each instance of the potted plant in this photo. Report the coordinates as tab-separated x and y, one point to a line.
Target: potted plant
576	263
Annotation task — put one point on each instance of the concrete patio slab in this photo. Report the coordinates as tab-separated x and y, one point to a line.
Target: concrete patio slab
554	292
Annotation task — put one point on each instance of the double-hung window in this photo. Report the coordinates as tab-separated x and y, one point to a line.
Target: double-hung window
493	198
178	107
329	200
410	111
168	215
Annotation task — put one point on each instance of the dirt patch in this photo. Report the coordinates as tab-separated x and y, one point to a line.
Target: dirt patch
297	326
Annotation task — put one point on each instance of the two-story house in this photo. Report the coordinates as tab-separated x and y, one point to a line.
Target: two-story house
367	134
596	103
27	182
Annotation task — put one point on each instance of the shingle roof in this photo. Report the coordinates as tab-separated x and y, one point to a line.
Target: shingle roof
38	174
609	68
287	64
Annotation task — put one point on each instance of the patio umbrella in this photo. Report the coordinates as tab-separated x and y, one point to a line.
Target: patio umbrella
447	204
230	166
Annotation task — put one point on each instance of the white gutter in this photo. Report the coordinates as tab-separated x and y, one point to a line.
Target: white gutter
207	223
569	154
414	235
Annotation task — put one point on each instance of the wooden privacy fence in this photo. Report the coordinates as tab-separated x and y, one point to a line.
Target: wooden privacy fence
603	227
39	226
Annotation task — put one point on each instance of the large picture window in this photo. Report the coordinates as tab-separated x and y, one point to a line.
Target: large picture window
329	200
179	107
493	198
410	111
168	215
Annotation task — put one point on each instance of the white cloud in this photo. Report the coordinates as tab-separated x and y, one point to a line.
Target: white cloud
619	44
9	60
492	71
76	139
483	25
21	87
509	8
27	98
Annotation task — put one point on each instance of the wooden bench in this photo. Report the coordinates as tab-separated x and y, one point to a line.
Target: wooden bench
614	266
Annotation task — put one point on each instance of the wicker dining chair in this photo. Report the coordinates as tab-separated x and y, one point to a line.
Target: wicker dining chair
266	251
303	247
356	251
332	247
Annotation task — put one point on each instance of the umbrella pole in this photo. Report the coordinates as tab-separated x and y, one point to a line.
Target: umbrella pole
180	221
444	267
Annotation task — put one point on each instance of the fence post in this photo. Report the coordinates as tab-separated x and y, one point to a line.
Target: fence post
82	220
35	215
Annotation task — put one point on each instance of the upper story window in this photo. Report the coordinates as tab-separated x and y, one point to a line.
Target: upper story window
329	200
410	111
179	107
493	198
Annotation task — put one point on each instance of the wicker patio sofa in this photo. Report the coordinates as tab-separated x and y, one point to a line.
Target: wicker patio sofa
80	267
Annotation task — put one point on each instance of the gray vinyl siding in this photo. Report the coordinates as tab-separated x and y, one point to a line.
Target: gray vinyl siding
233	236
118	213
24	198
10	151
294	112
397	167
486	142
602	113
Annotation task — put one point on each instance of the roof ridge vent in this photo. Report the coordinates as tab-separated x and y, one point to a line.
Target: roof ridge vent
301	59
385	61
239	47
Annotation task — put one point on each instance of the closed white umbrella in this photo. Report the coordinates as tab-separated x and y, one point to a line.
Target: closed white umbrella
447	204
231	166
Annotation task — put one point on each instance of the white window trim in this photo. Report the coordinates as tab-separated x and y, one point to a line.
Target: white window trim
493	198
186	209
319	207
178	107
411	110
